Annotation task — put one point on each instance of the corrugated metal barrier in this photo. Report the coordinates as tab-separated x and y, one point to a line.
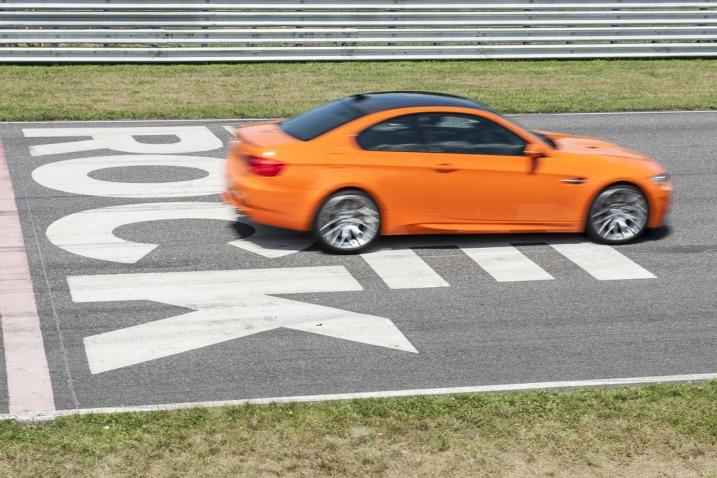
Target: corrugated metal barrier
285	30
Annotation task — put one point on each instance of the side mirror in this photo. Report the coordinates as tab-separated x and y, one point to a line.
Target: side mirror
534	152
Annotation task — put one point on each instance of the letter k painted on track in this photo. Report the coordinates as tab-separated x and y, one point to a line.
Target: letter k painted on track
227	305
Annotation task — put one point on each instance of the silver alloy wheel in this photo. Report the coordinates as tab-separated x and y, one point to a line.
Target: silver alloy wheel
348	221
619	214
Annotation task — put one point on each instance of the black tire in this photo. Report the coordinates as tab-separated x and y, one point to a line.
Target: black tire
347	222
618	215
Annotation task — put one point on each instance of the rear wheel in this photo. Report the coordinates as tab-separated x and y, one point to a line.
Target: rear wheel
618	215
347	222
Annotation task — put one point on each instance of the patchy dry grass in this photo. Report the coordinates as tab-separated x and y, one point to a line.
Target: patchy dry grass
279	89
632	432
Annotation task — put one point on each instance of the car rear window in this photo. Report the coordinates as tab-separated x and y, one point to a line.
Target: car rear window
310	124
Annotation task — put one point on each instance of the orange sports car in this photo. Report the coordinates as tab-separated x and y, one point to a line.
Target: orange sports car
425	163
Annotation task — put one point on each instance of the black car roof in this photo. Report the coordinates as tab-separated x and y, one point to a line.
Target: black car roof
370	103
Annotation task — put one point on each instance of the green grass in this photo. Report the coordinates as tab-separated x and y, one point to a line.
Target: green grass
647	431
85	92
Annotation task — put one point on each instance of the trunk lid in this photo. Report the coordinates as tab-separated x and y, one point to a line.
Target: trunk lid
263	135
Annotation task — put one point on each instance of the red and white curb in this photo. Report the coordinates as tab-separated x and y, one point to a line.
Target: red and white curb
28	377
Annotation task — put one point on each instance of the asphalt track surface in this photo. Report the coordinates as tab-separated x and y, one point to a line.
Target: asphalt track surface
437	313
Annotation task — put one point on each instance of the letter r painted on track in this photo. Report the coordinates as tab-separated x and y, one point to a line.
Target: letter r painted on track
191	139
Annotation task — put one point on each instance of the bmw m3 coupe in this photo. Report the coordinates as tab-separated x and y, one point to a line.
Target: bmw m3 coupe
425	163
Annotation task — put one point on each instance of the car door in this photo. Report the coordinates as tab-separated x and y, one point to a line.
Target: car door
483	176
395	162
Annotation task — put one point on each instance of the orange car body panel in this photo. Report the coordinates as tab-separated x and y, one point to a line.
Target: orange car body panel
422	192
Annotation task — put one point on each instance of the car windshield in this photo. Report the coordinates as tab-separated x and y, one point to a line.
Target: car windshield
545	139
310	124
512	119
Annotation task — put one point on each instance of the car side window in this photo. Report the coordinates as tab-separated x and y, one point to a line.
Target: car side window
468	134
395	134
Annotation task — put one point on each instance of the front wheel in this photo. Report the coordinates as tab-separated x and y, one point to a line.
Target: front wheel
347	222
618	215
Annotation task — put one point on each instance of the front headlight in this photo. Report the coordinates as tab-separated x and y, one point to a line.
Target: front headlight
661	179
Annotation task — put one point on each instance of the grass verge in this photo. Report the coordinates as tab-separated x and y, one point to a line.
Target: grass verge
85	92
668	430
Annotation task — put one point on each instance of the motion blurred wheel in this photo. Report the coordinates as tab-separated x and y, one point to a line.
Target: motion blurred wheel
347	222
618	215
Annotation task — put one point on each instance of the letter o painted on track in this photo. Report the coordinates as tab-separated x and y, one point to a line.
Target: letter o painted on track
72	176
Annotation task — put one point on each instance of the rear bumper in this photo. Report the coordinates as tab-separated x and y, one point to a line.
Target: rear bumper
264	201
233	198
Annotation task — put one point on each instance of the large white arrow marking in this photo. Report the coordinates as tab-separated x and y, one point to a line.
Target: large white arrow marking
90	233
227	305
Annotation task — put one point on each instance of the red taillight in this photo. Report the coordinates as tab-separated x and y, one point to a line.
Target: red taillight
264	166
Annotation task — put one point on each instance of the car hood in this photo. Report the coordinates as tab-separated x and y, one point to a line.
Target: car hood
588	145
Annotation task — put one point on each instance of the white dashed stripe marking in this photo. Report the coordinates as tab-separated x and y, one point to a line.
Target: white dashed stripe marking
403	269
506	264
603	262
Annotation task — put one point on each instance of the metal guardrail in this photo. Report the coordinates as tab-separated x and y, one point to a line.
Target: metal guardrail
348	5
304	30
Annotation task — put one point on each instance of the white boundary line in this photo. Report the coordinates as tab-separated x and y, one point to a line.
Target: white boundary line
176	120
270	119
28	378
516	387
614	113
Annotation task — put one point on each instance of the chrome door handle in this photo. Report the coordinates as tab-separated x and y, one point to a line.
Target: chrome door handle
573	180
444	168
